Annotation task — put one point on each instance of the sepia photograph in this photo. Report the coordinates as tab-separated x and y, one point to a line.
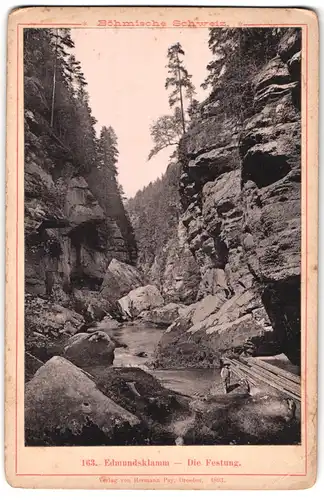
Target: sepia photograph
162	245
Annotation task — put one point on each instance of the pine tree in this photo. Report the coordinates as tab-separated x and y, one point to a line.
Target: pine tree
107	150
179	81
107	189
122	193
38	68
55	88
167	130
85	137
61	40
74	74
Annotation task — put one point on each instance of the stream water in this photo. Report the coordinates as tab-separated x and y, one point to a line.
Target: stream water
142	340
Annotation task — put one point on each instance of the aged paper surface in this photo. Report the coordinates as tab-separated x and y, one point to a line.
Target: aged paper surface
55	218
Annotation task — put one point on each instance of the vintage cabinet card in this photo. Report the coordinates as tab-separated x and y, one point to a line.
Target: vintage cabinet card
161	248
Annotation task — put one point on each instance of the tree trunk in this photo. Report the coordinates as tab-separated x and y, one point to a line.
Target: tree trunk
54	81
181	98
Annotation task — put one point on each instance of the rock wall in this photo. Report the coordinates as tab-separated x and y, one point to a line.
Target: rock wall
240	192
69	236
175	270
270	148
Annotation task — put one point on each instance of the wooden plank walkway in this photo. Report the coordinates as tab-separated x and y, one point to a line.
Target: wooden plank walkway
258	372
276	370
285	382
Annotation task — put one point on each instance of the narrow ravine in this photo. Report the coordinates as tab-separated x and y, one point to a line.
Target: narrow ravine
133	304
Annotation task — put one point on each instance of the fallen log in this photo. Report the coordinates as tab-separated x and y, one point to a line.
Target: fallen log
276	370
251	372
286	383
294	388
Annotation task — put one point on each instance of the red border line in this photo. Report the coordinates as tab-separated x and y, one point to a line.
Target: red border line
306	258
166	474
50	24
17	247
306	261
277	24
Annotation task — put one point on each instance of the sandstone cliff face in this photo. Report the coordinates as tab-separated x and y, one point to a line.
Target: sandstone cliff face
240	191
175	270
69	237
271	183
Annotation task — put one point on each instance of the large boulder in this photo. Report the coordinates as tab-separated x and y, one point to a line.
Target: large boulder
90	349
206	307
205	331
63	407
141	299
163	316
119	279
91	304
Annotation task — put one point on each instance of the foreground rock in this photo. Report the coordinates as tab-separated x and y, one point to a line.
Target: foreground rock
163	316
141	299
66	406
63	407
141	394
90	349
244	419
119	279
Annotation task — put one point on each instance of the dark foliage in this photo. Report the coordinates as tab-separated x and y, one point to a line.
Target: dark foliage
154	213
238	54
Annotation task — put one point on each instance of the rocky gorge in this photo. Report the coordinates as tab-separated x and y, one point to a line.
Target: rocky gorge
226	281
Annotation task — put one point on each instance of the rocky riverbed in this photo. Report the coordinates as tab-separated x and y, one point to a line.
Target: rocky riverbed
102	389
